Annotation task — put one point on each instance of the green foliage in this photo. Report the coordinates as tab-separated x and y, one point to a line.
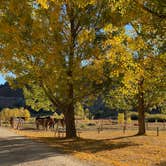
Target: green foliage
62	47
156	117
36	98
57	116
129	120
7	113
149	117
120	118
80	112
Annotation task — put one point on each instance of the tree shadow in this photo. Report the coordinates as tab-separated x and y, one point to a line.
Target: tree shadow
17	149
85	145
163	163
130	136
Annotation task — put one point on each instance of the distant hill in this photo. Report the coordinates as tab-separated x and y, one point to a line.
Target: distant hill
11	97
7	91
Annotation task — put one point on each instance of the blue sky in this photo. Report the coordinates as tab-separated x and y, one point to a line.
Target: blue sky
2	80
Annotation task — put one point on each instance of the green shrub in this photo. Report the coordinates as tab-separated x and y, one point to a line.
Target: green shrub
156	117
120	118
129	120
149	117
83	125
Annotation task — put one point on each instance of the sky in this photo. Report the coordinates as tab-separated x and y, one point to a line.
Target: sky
2	80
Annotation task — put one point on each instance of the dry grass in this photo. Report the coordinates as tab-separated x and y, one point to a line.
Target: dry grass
110	147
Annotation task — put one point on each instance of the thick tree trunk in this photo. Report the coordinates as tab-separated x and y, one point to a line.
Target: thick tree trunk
141	121
70	122
69	112
141	109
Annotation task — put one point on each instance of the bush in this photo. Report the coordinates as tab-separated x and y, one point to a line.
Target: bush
82	125
120	118
149	117
156	117
7	113
129	120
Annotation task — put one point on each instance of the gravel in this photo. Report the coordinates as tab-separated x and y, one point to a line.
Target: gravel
16	150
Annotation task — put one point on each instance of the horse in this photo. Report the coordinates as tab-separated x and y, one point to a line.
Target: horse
49	122
58	122
45	122
17	122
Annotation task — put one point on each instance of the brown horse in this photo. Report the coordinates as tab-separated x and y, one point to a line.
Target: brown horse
49	122
44	122
59	122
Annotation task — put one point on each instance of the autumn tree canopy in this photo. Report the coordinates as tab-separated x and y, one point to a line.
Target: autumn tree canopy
64	46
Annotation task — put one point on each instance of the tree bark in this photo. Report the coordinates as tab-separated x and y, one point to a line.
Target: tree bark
141	109
141	121
70	122
69	112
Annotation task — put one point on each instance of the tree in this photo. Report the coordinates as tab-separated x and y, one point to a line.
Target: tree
143	82
62	47
59	48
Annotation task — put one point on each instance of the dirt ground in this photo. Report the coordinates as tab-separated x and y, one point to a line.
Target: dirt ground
110	147
16	150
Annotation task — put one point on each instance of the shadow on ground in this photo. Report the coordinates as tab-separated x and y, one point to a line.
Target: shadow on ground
85	145
16	150
163	163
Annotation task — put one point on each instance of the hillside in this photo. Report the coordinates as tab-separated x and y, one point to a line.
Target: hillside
11	97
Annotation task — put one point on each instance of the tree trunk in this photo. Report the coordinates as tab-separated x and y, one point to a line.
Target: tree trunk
141	109
69	112
141	121
70	122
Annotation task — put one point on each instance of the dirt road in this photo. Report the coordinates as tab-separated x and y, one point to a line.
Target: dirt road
16	150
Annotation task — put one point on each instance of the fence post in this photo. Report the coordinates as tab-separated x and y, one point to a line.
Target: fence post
157	131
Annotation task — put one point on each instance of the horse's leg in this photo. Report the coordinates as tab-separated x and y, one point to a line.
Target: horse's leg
17	124
56	131
63	126
45	125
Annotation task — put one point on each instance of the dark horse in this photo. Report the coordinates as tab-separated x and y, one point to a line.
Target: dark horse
48	122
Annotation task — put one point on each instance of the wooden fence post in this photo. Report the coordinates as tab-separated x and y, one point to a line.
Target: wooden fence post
157	131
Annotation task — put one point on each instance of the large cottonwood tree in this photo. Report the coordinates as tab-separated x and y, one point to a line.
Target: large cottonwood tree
59	47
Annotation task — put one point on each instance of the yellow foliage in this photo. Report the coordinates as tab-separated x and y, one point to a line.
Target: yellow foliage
7	113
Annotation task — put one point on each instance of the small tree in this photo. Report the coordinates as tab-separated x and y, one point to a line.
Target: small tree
79	111
121	118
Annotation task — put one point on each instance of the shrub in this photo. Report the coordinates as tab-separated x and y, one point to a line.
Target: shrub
156	117
129	120
120	118
7	113
82	125
149	117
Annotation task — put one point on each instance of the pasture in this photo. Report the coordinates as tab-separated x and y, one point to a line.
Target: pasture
111	145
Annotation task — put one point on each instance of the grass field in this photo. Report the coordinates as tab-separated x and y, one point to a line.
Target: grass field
110	147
